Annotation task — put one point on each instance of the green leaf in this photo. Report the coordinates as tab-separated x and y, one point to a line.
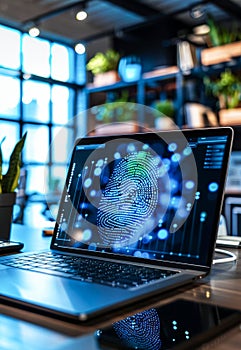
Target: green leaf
10	179
1	164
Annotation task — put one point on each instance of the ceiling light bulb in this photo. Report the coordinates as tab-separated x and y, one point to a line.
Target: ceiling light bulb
197	12
81	15
79	49
34	32
203	29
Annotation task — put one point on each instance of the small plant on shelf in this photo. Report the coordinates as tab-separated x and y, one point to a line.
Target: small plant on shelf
165	108
103	62
221	35
227	88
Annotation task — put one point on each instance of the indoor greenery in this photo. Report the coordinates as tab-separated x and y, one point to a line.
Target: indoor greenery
103	62
165	107
220	35
9	181
227	88
121	110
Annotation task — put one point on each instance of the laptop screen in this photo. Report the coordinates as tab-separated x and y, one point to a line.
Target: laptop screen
150	196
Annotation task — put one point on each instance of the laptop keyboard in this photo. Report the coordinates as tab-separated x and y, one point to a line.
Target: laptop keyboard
88	270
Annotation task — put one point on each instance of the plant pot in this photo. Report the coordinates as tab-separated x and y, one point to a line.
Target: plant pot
106	78
7	201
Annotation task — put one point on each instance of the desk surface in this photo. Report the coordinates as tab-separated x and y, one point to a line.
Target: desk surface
21	330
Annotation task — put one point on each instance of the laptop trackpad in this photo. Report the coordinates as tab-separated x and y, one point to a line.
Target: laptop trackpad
56	293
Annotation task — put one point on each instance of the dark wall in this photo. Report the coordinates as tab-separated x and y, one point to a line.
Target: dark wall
154	44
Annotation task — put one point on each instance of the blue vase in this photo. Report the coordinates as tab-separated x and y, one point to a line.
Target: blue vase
130	69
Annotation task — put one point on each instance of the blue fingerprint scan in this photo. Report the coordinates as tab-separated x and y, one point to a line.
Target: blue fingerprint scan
129	199
140	331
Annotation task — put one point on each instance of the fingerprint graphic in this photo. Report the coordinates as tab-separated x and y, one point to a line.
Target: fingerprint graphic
141	331
129	199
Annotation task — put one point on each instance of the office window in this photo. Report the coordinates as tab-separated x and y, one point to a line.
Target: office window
10	131
36	56
61	62
9	97
38	83
37	179
62	104
10	48
36	148
36	99
62	144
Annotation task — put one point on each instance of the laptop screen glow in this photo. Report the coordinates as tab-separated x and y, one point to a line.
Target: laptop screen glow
144	196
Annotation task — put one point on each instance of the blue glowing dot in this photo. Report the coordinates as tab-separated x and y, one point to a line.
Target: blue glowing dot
131	147
213	187
145	147
166	162
189	184
137	254
100	163
146	239
117	155
176	157
187	151
92	246
162	234
172	147
87	235
174	322
97	171
87	183
175	328
93	193
146	255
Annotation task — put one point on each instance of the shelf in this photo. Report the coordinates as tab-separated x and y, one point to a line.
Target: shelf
91	88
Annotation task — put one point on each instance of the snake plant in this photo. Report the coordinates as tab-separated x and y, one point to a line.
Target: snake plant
9	181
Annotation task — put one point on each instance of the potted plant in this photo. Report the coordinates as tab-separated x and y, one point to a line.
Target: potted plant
8	185
165	113
224	43
227	88
104	67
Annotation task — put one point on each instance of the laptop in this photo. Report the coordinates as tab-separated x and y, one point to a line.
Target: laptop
138	217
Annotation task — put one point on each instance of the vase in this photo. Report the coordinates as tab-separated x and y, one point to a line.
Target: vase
106	78
7	201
